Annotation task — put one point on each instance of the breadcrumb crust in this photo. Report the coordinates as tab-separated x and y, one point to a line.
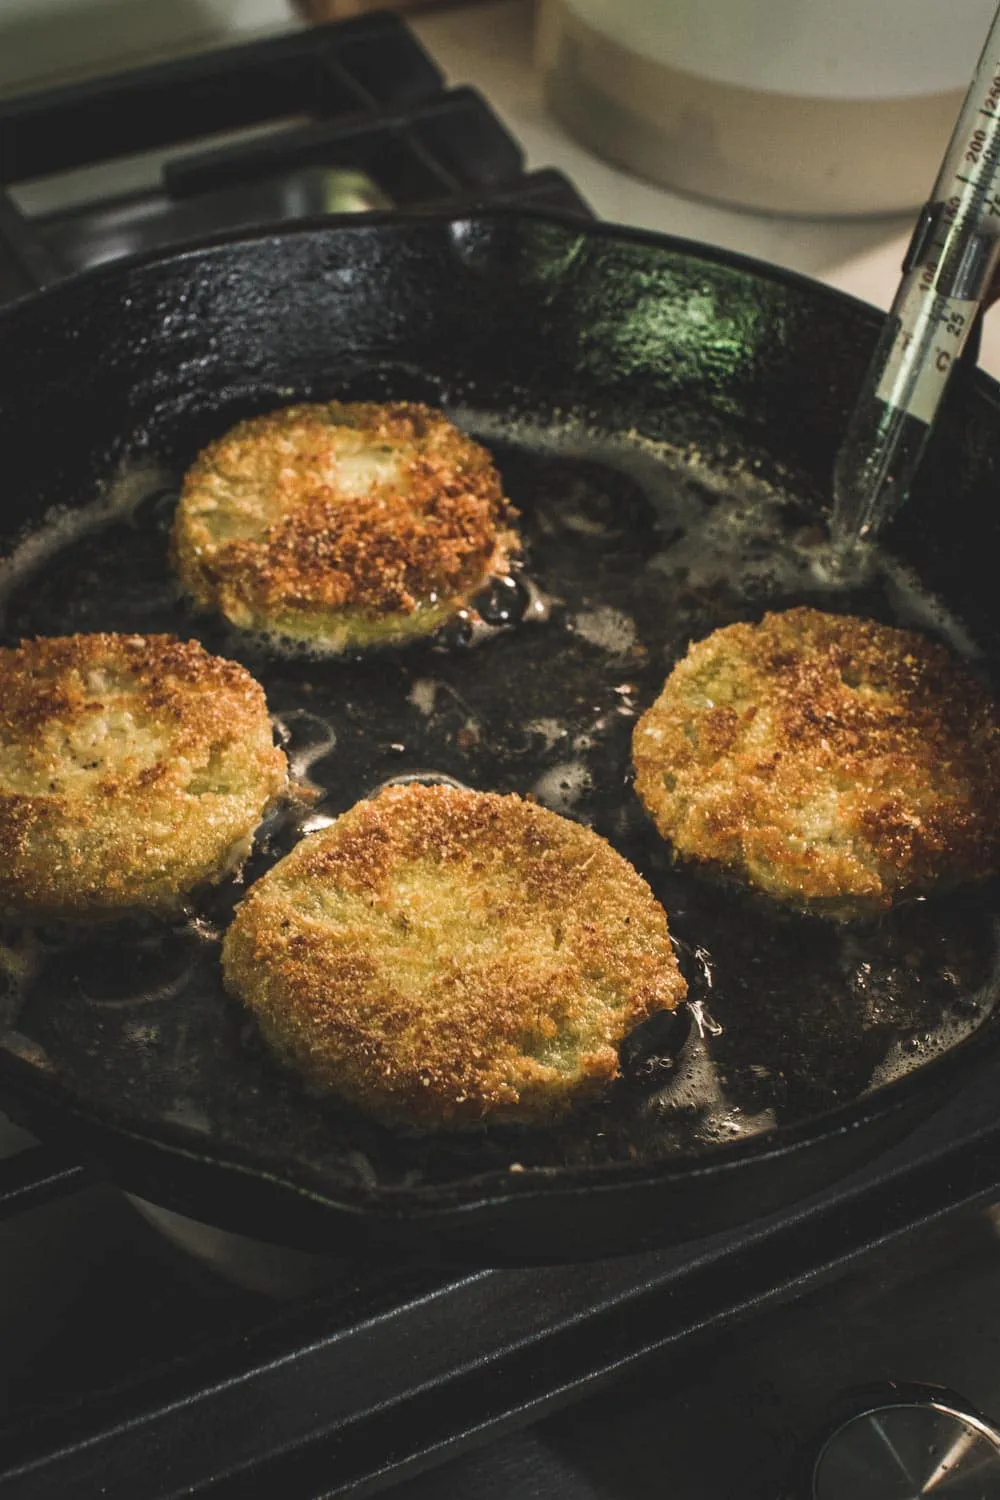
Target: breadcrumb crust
132	769
342	524
831	761
442	957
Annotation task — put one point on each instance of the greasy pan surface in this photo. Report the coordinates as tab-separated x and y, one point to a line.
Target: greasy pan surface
524	327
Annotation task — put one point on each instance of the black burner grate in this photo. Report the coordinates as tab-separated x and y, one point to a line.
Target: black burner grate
353	110
398	1367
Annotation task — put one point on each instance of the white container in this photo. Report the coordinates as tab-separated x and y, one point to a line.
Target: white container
815	107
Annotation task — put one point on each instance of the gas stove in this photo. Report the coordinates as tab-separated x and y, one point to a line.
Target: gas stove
134	1369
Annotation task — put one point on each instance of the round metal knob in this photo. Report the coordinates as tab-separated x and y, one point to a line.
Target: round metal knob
903	1450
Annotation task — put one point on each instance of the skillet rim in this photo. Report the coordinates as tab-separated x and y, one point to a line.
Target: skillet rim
198	247
496	1186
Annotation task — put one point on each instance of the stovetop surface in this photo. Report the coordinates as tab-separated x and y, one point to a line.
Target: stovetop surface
726	1411
129	1370
731	1416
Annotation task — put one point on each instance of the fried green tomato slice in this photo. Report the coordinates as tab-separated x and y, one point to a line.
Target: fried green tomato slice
443	958
132	770
342	525
834	763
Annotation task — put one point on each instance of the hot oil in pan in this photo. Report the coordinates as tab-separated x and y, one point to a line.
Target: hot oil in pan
630	555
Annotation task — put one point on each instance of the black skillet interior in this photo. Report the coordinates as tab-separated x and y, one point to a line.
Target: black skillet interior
525	327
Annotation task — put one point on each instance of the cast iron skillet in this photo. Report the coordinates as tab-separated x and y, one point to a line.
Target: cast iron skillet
123	1045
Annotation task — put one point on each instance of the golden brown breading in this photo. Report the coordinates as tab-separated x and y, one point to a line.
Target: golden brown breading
342	524
832	762
132	768
442	957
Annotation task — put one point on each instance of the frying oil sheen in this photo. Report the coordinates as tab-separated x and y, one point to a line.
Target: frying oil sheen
631	553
